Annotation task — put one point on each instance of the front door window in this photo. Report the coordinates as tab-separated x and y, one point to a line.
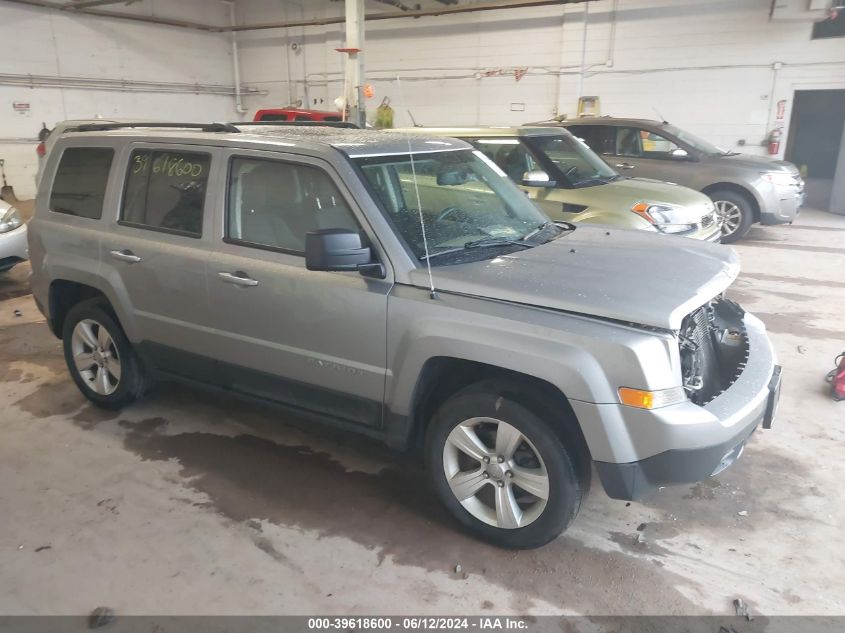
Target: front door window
640	143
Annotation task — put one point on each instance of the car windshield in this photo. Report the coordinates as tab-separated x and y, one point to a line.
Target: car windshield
697	143
465	200
570	160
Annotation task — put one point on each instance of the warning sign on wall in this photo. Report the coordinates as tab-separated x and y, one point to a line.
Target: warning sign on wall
22	108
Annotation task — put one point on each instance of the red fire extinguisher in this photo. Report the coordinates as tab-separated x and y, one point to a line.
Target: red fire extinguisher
774	140
836	378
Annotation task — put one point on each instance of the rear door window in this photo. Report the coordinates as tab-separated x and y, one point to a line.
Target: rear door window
165	191
79	187
600	139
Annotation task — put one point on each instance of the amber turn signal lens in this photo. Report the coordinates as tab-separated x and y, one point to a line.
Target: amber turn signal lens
643	399
636	398
641	209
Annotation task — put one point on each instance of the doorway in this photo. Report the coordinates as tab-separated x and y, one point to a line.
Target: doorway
815	138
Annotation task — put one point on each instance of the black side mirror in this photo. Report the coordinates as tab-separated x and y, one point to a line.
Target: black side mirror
338	250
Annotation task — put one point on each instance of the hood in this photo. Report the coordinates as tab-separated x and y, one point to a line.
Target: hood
648	190
762	163
633	276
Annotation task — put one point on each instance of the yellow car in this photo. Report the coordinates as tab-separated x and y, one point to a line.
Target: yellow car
570	182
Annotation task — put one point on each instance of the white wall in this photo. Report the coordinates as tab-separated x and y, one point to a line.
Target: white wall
60	43
705	65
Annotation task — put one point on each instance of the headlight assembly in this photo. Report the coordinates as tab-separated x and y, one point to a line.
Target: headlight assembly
9	220
780	178
664	217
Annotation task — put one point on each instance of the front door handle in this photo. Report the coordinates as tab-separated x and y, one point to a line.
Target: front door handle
239	278
126	256
625	165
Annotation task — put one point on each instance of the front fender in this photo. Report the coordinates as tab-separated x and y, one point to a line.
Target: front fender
586	359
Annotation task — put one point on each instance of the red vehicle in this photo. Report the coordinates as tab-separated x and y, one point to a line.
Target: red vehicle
296	114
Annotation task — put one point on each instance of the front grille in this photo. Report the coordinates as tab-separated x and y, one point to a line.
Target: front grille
714	349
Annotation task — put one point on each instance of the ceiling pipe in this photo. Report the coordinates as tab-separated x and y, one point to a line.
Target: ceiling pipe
398	4
236	64
76	5
486	6
151	19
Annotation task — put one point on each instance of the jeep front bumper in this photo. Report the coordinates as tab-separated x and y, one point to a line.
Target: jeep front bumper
636	450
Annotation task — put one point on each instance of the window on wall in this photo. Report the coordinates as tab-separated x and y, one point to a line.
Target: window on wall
80	184
832	27
165	191
274	204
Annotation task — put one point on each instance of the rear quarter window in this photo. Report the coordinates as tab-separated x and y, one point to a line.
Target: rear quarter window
79	187
165	191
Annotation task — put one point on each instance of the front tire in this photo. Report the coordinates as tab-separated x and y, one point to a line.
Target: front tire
501	470
100	358
735	213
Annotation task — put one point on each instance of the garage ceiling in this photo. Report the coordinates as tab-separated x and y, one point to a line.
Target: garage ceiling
402	10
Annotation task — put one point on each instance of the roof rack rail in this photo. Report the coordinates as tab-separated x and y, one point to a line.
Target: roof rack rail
204	127
341	124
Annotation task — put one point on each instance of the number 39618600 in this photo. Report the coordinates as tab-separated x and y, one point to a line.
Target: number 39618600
167	165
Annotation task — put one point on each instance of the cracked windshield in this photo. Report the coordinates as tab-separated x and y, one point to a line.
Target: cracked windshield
469	207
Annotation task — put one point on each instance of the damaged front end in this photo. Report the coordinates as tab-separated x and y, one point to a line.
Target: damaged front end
714	349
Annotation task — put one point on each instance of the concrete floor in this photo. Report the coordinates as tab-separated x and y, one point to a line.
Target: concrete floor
187	503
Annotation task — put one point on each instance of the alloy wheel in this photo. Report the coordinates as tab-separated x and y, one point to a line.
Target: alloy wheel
496	473
95	357
730	217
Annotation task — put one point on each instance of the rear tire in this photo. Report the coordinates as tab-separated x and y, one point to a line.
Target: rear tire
735	212
523	500
100	358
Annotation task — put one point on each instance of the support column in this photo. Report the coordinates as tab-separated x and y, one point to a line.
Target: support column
837	193
353	88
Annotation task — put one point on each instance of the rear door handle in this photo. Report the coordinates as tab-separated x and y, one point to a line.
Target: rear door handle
239	278
126	256
625	165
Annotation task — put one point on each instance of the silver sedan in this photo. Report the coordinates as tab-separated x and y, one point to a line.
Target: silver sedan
13	247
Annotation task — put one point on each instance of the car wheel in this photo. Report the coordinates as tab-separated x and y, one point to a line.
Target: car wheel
100	358
735	214
501	470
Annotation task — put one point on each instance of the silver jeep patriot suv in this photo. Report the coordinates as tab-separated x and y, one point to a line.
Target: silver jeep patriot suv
402	287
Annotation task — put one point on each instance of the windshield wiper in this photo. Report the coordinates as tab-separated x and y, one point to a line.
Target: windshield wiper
597	179
481	243
531	234
496	241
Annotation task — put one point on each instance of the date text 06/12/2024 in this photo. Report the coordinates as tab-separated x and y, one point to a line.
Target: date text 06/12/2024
418	623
